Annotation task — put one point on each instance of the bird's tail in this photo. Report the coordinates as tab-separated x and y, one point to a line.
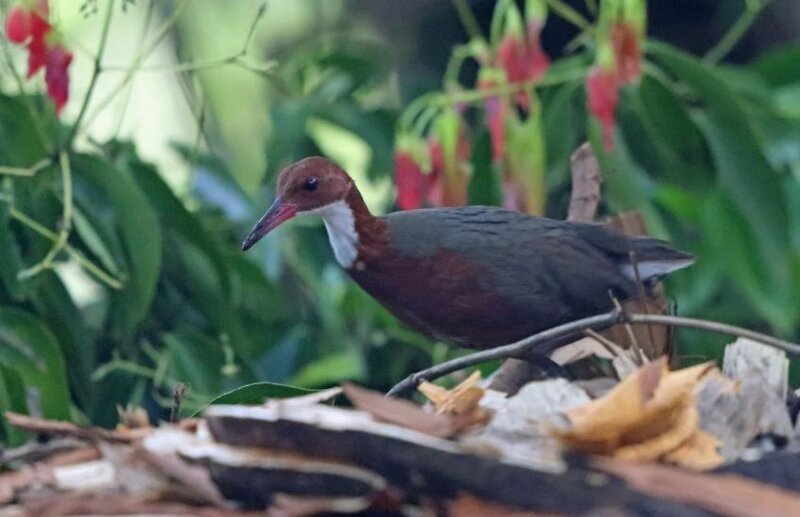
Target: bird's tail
654	259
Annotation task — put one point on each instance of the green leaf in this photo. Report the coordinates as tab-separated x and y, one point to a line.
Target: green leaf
779	67
10	259
682	153
174	216
56	307
12	398
28	346
559	108
20	142
484	187
732	243
744	172
195	360
94	241
331	369
113	196
257	393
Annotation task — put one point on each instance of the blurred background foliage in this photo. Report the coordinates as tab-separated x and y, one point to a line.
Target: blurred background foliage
199	104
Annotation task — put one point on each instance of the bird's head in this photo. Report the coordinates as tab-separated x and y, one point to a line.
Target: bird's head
305	187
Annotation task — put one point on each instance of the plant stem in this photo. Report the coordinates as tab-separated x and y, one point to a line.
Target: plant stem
569	14
479	95
25	171
138	60
95	75
735	33
66	223
468	20
235	59
540	340
76	255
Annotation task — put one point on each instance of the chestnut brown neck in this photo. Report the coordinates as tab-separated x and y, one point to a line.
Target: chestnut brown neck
372	234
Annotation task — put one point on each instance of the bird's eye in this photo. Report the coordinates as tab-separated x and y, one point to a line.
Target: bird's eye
311	184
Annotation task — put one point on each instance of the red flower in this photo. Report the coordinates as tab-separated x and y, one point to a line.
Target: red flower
18	25
522	60
627	54
30	26
56	75
413	185
601	89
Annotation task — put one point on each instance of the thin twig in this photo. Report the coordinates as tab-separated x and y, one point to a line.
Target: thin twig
642	299
178	396
606	343
137	62
95	75
638	356
503	352
736	32
524	346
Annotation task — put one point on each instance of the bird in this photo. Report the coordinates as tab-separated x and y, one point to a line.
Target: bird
475	277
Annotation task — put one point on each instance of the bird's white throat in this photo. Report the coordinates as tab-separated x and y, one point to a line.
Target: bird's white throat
341	225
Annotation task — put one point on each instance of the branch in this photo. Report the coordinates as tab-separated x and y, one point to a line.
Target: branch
577	327
586	181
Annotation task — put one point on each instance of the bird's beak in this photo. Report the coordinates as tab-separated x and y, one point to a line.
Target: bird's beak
276	214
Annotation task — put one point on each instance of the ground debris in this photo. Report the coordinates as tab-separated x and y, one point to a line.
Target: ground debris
470	451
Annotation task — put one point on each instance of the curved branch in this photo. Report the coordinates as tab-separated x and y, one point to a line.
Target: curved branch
577	327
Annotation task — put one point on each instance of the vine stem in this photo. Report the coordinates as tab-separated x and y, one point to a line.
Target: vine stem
236	58
66	223
95	74
76	255
577	327
25	171
735	33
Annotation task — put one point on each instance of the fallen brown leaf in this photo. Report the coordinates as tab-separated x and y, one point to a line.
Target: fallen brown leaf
649	415
399	412
699	452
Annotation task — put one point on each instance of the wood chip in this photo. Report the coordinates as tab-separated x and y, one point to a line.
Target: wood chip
726	494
